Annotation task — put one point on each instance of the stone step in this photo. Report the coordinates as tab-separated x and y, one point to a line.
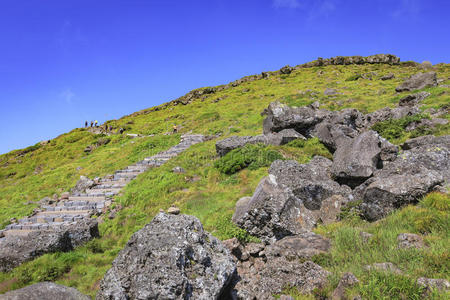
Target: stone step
108	186
87	198
125	175
115	181
126	171
111	190
66	212
19	232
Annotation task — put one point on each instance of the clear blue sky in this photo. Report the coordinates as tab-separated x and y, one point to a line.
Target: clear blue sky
66	61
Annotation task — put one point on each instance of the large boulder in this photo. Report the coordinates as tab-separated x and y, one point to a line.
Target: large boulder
263	280
302	119
172	257
413	99
17	249
45	291
408	178
418	81
357	159
388	113
277	138
288	201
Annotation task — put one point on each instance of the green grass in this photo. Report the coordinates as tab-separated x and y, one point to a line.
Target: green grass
43	170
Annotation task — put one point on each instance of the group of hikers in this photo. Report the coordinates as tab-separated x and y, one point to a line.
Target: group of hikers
93	123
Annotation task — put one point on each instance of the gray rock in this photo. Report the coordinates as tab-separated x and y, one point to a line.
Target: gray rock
45	291
365	236
426	140
286	70
413	99
82	185
172	257
302	246
331	208
388	113
65	195
357	159
260	280
287	202
418	81
173	210
386	266
347	280
433	284
409	240
388	76
302	119
17	249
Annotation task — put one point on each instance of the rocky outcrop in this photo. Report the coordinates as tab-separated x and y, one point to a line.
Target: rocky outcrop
409	240
280	138
289	200
413	99
418	81
409	177
16	249
172	257
82	185
354	60
45	290
431	284
347	280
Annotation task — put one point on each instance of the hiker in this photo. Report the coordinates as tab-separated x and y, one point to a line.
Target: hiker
121	130
175	129
96	123
92	124
86	124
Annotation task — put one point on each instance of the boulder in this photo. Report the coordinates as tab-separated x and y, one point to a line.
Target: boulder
330	92
357	159
262	280
172	257
418	81
426	140
302	119
413	99
17	249
388	113
286	70
82	185
302	246
288	201
409	240
178	170
330	209
43	291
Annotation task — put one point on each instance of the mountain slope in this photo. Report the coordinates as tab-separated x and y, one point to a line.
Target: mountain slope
42	170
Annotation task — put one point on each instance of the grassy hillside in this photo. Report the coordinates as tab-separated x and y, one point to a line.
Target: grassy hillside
43	170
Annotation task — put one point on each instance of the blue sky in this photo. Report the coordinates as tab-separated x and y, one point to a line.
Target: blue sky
64	62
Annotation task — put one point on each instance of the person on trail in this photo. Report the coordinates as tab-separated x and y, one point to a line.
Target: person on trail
92	123
121	130
175	129
85	124
96	123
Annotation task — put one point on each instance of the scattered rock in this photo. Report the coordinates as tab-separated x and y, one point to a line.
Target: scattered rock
409	240
286	70
172	257
388	76
386	266
330	209
413	99
45	290
426	65
302	246
347	280
418	81
173	210
65	195
178	170
430	284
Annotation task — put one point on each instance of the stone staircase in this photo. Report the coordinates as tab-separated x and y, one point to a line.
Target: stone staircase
95	200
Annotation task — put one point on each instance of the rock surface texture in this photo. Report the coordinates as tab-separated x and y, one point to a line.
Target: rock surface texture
172	257
65	223
45	291
418	81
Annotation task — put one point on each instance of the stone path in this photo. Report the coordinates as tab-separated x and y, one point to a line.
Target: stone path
95	200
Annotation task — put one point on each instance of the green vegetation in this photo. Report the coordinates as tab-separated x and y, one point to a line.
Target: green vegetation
349	253
45	169
250	156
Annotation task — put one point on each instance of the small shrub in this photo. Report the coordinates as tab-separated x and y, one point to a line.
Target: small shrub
395	128
250	156
437	201
227	230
